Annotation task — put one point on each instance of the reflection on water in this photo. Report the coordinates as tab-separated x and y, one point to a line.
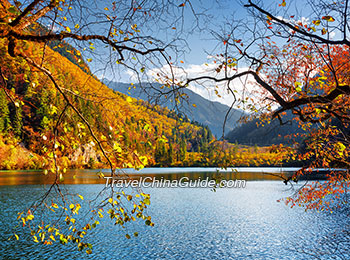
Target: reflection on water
91	176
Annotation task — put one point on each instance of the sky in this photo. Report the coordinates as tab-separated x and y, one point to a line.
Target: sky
200	43
197	59
196	55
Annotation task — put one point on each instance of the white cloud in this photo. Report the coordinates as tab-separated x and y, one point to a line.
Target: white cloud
54	28
132	75
303	20
332	35
243	87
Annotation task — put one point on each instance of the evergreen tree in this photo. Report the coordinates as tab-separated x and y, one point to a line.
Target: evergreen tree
170	157
16	119
4	113
183	150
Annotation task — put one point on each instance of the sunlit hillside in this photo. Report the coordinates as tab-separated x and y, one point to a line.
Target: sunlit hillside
138	134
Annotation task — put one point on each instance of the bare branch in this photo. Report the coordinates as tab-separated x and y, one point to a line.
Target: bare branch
297	28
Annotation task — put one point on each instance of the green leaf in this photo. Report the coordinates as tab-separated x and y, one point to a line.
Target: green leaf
12	10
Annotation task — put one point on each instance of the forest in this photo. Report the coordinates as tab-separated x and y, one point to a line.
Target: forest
30	106
288	73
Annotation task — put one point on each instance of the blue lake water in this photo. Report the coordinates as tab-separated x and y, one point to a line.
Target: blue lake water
192	223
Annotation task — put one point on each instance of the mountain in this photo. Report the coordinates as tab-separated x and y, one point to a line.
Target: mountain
267	134
195	107
37	118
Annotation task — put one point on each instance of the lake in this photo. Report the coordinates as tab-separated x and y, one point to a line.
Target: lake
190	223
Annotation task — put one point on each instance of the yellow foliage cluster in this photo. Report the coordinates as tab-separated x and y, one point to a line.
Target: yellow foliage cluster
126	128
14	156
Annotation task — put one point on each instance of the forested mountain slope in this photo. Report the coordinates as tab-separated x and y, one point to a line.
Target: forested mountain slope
195	107
256	132
31	106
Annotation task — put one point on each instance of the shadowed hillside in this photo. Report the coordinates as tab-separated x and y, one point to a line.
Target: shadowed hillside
253	133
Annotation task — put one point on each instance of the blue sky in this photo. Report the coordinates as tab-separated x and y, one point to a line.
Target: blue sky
200	42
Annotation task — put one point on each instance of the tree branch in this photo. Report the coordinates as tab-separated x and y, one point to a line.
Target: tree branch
26	11
38	15
48	73
63	35
340	90
258	79
296	28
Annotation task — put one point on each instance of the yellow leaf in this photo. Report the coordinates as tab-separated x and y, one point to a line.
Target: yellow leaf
68	29
129	99
100	175
81	197
320	79
328	18
316	22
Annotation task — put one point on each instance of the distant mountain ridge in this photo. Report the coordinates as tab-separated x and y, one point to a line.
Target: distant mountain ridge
206	112
268	134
